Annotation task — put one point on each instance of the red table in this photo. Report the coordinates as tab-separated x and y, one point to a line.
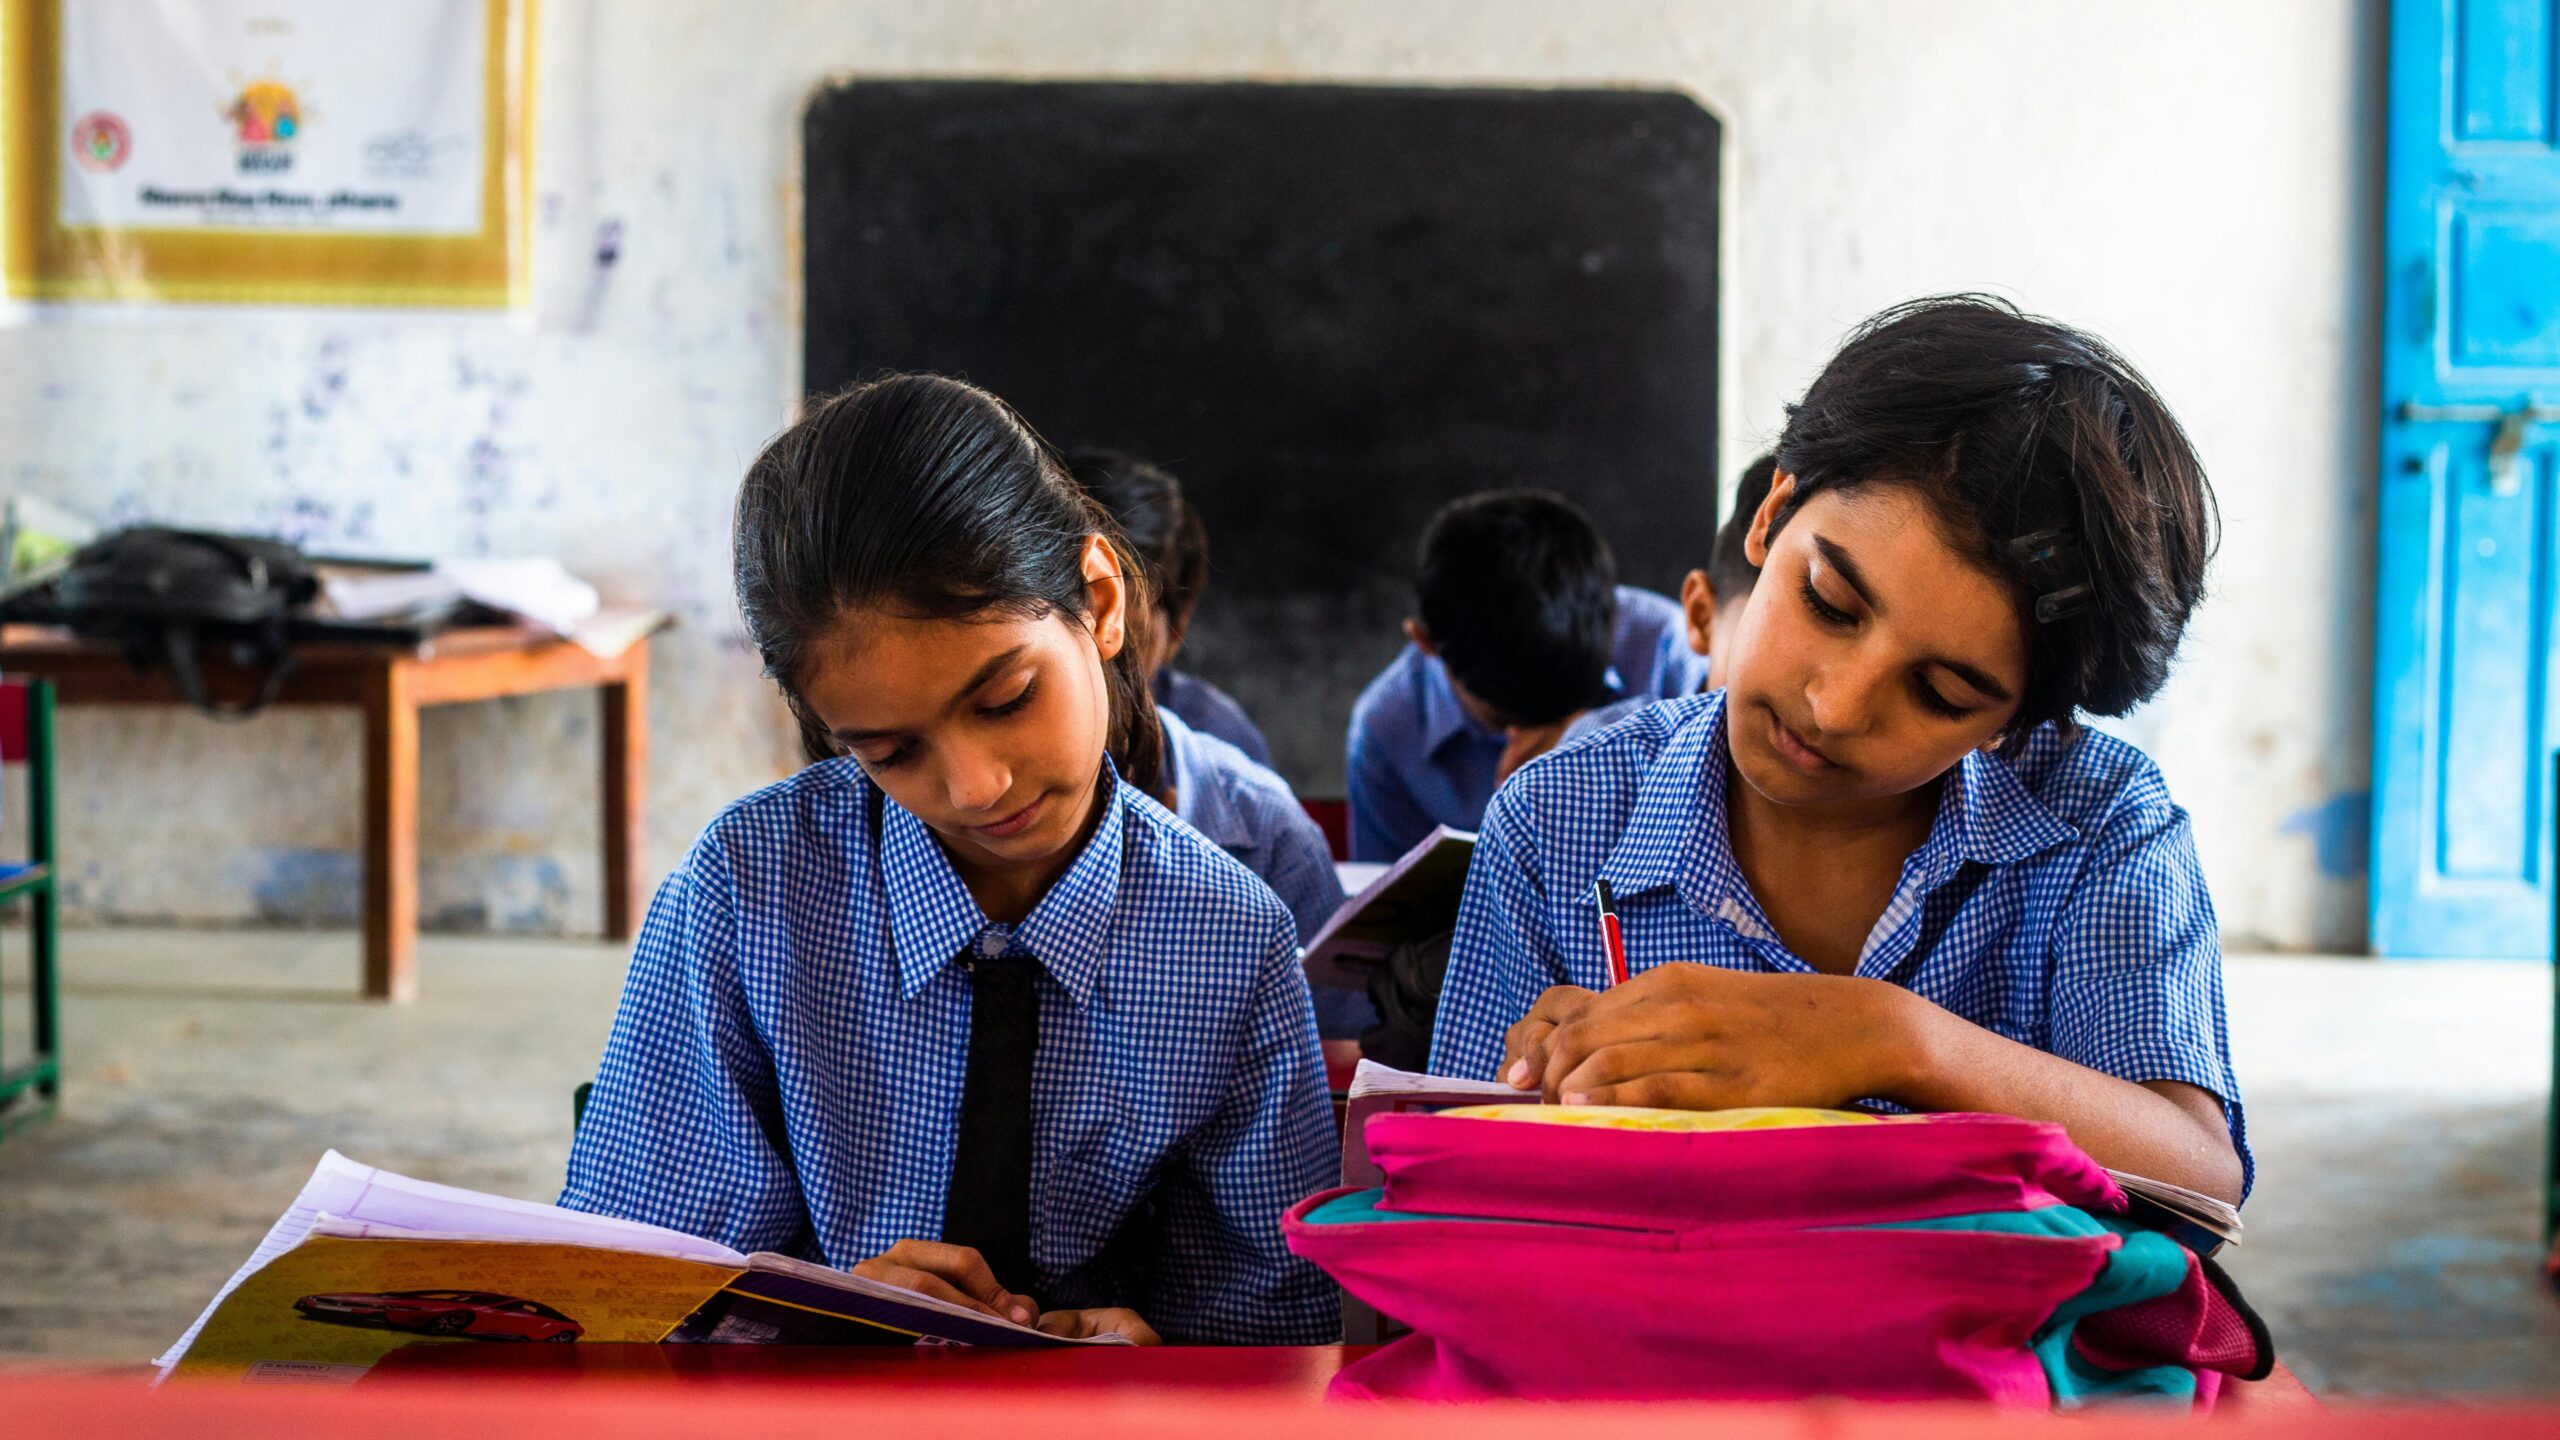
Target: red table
1148	1395
1294	1374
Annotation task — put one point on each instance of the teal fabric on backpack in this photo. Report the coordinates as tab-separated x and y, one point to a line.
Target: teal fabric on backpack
2146	1266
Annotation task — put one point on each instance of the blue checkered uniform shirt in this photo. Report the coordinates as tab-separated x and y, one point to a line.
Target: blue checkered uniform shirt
1250	812
2057	900
786	1068
1414	759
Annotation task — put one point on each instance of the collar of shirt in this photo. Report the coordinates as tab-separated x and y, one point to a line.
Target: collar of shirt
1198	800
1675	833
932	916
1444	720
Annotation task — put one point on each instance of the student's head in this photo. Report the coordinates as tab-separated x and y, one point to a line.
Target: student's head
1171	543
1712	599
1518	597
935	597
1982	521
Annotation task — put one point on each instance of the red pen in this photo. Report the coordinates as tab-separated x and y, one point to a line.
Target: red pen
1612	943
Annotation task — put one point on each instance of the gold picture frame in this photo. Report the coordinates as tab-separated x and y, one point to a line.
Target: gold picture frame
43	260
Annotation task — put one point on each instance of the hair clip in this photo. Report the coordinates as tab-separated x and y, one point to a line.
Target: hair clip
2056	571
2061	603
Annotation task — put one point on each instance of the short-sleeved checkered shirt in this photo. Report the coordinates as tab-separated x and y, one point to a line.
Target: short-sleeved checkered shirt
1248	811
1413	757
2057	901
785	1071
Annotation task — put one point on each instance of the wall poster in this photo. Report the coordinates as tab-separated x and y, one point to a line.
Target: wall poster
260	152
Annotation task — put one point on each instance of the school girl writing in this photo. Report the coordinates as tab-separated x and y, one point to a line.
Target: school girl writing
962	1009
1883	862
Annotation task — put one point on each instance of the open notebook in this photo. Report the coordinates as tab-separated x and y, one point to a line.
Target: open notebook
366	1261
2201	1222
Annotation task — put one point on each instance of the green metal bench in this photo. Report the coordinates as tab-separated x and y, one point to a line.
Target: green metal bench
30	1091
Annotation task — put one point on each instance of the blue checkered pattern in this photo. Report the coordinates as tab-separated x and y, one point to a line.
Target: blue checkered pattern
786	1068
2057	900
1250	812
1415	760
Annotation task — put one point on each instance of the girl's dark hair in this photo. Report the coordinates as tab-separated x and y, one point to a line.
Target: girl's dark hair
931	499
1167	534
2042	452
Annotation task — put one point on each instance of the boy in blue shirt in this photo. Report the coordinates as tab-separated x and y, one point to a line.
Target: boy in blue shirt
1884	862
1521	626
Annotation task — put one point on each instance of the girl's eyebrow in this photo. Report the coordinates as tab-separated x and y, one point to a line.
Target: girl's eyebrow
1979	679
995	665
1838	559
1973	675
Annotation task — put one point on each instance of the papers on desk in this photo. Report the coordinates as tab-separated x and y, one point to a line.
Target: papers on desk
536	589
365	1261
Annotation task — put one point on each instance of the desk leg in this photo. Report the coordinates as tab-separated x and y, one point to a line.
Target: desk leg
626	783
391	841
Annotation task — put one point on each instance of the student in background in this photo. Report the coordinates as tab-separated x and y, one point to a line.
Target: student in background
1885	862
1244	806
1169	535
1711	600
1520	626
883	1004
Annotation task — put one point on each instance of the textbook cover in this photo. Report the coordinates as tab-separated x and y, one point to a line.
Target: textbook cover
365	1262
1416	899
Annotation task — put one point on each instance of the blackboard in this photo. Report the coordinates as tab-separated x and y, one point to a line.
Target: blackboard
1329	309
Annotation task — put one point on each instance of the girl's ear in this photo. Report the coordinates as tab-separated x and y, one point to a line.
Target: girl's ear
1755	546
1106	595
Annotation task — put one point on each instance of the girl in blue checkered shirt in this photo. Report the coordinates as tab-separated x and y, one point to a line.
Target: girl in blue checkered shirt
959	1006
1883	863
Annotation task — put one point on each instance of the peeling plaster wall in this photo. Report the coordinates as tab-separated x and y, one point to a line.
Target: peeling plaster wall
2195	180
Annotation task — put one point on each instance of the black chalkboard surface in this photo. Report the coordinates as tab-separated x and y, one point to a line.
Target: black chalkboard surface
1329	309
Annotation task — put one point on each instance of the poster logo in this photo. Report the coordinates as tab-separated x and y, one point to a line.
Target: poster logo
265	120
100	142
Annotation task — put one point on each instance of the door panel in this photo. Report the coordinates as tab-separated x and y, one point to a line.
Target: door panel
2464	727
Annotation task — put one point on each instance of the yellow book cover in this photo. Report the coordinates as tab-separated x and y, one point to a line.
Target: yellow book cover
333	1305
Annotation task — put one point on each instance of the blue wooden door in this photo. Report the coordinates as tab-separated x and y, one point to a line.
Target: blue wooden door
2464	724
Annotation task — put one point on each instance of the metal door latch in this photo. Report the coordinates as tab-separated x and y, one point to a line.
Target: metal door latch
2506	443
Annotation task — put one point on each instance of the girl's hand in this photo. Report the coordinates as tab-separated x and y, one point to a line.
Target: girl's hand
1524	1046
1699	1037
954	1273
1085	1324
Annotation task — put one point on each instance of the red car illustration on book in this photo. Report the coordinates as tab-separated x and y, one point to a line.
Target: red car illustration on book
471	1314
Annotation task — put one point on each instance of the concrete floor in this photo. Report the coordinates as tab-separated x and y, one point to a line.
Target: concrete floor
2398	1116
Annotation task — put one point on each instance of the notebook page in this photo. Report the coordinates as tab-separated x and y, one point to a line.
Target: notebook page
864	1285
1373	1078
334	1185
360	1194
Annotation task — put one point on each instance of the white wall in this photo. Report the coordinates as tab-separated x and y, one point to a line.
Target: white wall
2191	178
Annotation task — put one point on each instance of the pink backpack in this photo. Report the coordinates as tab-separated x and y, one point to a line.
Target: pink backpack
1635	1254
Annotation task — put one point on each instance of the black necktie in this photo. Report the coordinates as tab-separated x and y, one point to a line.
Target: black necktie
988	1206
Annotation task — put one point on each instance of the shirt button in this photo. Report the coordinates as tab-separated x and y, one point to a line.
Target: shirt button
991	945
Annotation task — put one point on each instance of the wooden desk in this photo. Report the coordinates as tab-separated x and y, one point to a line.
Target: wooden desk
390	685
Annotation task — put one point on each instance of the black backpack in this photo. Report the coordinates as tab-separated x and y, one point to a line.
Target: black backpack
164	596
